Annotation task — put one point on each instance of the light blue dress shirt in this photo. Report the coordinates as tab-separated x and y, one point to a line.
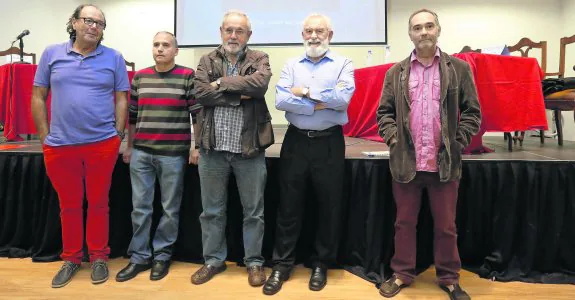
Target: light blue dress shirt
330	80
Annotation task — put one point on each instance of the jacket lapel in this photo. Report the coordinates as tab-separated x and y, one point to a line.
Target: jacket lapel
444	63
404	80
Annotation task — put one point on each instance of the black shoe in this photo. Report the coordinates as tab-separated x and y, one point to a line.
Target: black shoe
65	274
160	269
130	271
318	279
275	282
99	271
457	293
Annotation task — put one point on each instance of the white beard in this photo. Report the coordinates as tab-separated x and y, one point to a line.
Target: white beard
232	49
318	51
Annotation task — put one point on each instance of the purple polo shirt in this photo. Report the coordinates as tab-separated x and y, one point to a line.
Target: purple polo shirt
83	107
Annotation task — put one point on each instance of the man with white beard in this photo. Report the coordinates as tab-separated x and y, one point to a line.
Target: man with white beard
314	90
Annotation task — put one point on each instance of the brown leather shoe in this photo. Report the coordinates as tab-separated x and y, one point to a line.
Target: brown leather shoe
389	288
206	272
256	276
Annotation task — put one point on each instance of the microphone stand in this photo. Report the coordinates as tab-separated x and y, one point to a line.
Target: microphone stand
21	52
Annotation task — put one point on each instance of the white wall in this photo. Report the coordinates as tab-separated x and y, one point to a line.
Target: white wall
477	23
133	24
46	21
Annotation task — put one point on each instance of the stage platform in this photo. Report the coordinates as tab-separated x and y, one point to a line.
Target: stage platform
532	149
515	213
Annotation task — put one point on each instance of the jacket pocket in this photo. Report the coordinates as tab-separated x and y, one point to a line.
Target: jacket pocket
436	90
200	120
265	132
247	69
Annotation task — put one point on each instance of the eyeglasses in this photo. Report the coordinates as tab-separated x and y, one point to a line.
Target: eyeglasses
90	22
239	32
318	31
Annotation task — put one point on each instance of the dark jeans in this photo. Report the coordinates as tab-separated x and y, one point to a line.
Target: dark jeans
443	203
319	163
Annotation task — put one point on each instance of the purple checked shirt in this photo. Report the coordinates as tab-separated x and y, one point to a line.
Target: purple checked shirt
424	118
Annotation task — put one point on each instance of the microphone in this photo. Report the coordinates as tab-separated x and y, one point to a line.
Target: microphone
19	37
23	34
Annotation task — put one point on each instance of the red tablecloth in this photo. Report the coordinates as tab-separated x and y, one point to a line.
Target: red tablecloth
16	81
509	90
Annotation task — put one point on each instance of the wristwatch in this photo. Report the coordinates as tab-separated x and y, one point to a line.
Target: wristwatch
121	135
305	91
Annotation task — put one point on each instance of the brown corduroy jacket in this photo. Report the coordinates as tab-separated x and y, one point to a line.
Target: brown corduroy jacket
460	118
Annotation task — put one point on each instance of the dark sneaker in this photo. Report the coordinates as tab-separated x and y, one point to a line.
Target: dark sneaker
99	271
389	288
457	293
65	274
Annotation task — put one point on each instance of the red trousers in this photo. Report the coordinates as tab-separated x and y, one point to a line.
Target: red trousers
443	204
69	169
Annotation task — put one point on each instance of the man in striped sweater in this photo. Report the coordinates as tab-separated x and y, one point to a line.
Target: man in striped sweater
159	145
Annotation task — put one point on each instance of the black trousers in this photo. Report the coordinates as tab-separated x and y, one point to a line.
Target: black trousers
317	163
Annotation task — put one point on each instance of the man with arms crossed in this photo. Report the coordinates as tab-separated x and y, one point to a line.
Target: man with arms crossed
314	90
235	130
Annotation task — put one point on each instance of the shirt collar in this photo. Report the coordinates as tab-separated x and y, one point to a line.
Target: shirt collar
240	55
70	48
414	57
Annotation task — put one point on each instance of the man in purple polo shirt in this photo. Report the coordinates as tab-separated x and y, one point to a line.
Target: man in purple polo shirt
428	113
88	82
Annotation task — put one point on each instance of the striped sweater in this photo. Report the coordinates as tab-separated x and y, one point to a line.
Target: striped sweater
160	106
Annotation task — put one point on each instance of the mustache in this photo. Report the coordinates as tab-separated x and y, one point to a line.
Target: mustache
316	42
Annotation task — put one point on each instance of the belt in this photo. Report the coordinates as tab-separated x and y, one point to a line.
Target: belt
317	133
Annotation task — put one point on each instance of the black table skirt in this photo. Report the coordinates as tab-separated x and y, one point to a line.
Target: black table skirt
516	220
